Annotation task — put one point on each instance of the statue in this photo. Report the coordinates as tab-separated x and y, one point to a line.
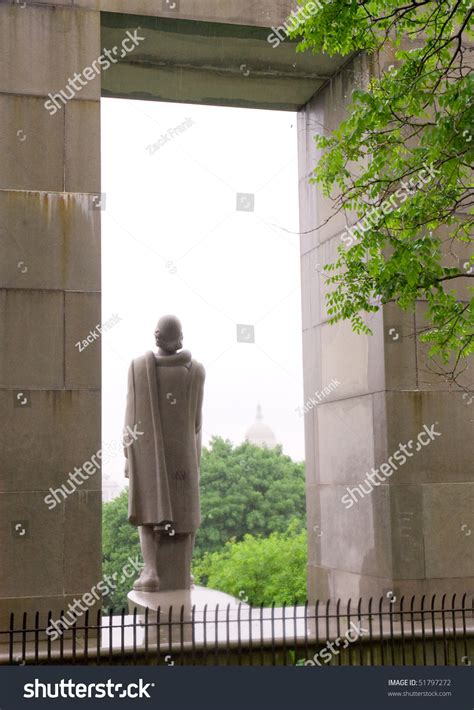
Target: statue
165	395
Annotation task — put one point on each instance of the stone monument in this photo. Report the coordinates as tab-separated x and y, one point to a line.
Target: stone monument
164	407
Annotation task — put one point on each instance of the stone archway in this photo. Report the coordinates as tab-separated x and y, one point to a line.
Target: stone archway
406	533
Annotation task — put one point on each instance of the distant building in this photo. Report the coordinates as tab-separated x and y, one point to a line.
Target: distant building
110	489
260	433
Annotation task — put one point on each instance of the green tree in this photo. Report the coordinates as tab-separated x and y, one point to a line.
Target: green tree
259	570
247	489
244	489
418	113
119	544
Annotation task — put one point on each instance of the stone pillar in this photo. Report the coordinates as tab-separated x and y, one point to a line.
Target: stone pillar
49	300
410	535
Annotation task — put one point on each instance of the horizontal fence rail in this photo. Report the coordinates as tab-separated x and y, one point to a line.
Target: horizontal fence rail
374	633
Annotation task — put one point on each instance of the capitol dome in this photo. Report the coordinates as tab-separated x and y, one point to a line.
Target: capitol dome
260	434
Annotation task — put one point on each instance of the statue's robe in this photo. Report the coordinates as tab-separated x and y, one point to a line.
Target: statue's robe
164	400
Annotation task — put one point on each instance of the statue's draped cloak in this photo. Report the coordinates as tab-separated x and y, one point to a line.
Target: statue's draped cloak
164	402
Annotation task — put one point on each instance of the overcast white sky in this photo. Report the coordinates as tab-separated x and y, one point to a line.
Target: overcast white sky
174	242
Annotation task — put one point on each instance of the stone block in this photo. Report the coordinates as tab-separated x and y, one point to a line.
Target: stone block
32	337
32	562
351	585
322	115
408	552
432	374
354	360
365	530
333	222
18	606
320	584
41	442
42	48
307	156
447	458
83	147
325	254
345	357
448	529
311	341
49	241
83	340
399	348
346	440
311	361
31	144
314	524
241	12
310	434
82	541
306	290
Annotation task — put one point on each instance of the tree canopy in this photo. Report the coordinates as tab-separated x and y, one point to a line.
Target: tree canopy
244	490
415	116
259	570
119	543
247	489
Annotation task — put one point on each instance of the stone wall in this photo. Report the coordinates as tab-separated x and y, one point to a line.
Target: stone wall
50	208
49	299
411	534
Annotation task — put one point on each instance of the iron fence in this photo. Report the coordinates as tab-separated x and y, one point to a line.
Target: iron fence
379	632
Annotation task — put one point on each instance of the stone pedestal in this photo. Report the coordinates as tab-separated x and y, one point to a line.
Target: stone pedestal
182	616
172	602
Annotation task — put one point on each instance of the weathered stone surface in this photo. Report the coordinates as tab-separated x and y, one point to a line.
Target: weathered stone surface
407	529
82	536
83	340
41	442
346	441
32	337
243	12
399	348
434	375
221	62
448	458
307	281
355	432
18	606
365	529
49	241
378	403
448	512
42	47
351	359
31	144
33	561
82	157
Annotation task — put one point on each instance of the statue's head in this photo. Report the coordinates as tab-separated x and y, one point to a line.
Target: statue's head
169	334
